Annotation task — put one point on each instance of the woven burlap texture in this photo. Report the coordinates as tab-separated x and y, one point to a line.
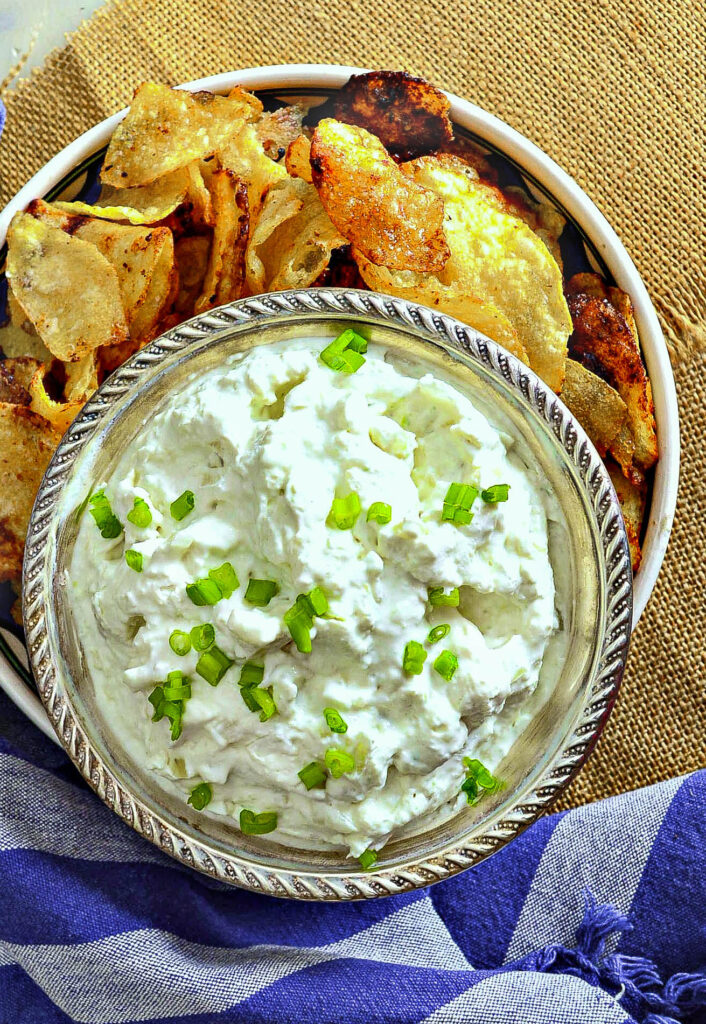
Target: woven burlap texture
613	92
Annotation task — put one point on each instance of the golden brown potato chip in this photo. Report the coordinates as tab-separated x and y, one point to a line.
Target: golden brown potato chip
447	298
393	221
192	262
277	129
81	378
297	158
168	128
225	274
15	342
407	114
596	405
145	204
282	202
26	444
15	376
633	498
497	259
199	196
67	288
602	334
245	156
59	414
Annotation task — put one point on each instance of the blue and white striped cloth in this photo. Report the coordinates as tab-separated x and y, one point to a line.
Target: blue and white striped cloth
595	916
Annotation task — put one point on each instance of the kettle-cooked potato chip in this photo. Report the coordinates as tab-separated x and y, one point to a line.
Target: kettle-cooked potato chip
67	288
632	495
278	128
394	221
27	442
408	115
145	204
81	378
500	261
199	196
225	273
282	202
245	156
596	405
60	414
15	377
298	158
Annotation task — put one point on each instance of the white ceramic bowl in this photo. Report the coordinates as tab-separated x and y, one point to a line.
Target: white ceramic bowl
544	177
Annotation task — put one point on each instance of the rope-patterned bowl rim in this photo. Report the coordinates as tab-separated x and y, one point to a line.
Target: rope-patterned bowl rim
195	850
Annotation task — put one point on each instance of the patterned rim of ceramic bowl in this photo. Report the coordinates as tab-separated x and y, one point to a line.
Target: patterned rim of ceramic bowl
545	176
591	701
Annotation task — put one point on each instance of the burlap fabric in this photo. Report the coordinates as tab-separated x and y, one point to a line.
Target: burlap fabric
613	92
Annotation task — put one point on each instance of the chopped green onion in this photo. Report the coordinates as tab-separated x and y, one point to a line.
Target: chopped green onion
246	692
163	708
134	560
457	504
200	796
345	353
438	633
479	780
202	637
413	658
300	617
261	592
203	591
498	492
446	664
318	602
344	512
252	824
265	701
213	665
225	577
380	512
108	523
180	642
251	674
339	762
140	514
334	720
177	687
156	699
438	599
368	859
182	505
313	775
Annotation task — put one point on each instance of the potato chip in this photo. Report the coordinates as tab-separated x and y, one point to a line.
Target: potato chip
297	158
602	334
59	414
26	444
245	156
144	260
15	342
407	114
633	498
81	378
501	262
199	196
282	202
277	129
225	274
166	129
393	221
596	405
192	262
447	298
14	380
67	288
145	204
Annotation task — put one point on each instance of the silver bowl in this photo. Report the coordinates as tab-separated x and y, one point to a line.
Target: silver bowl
588	548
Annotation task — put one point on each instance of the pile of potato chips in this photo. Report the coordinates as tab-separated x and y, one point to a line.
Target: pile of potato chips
207	198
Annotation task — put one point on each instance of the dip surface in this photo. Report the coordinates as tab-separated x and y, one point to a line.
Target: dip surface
265	443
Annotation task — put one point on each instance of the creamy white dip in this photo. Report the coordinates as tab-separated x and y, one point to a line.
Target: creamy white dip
265	443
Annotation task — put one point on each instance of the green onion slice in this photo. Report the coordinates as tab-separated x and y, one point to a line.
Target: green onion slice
202	636
177	690
300	617
344	512
334	720
446	665
108	523
180	642
225	577
252	824
345	353
251	674
246	692
182	505
367	859
438	633
163	708
496	493
339	762
380	512
265	701
438	599
204	591
261	592
313	775
200	796
457	504
140	514
134	559
413	658
213	665
479	780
